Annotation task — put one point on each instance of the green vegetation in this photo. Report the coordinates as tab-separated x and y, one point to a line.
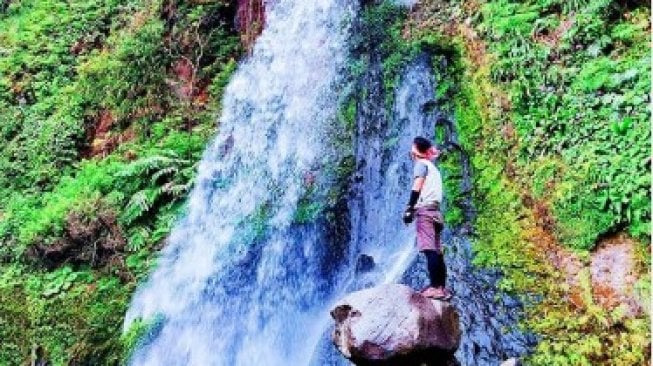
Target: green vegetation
105	109
139	334
580	104
550	100
307	211
384	29
383	24
76	315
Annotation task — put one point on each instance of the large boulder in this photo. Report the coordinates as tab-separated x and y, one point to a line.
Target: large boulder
394	325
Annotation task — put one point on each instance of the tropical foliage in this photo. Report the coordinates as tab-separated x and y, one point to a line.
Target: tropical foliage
105	108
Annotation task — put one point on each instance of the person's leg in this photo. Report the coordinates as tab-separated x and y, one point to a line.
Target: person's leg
431	266
440	266
427	237
440	270
429	226
437	276
436	268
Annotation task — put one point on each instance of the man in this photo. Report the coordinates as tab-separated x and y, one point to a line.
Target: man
424	207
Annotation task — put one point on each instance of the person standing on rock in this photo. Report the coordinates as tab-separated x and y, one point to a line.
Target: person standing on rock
424	209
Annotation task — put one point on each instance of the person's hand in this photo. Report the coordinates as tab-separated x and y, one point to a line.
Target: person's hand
409	215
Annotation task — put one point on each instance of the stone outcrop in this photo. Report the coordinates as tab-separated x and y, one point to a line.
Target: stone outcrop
394	325
96	240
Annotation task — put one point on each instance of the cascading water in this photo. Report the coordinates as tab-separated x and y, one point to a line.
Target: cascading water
384	171
488	317
239	280
245	278
383	174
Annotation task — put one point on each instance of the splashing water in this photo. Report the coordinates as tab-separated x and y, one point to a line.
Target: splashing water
384	172
242	281
238	274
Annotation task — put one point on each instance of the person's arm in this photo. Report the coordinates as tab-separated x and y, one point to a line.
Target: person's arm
414	193
418	183
419	173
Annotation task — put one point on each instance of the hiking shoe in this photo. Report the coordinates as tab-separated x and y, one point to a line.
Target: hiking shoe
446	294
432	292
437	293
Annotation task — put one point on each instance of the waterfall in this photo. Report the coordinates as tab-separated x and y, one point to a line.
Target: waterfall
248	276
239	280
385	169
383	177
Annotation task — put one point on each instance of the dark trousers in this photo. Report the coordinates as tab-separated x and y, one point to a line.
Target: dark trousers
436	267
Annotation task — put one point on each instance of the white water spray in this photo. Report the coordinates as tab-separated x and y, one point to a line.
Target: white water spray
240	282
406	3
237	283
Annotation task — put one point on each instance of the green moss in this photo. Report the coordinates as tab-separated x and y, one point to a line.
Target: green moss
450	164
40	111
347	113
253	228
382	26
307	211
140	333
500	222
587	110
55	306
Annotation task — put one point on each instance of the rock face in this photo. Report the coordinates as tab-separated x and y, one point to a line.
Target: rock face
250	19
394	325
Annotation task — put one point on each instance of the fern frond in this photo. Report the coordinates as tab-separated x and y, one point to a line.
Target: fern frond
168	171
139	199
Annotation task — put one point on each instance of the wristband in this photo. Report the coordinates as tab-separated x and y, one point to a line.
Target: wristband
414	196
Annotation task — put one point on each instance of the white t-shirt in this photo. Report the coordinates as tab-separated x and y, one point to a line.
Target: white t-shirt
432	188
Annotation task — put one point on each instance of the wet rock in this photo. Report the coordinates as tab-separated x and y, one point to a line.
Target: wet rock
613	269
510	302
365	263
250	19
38	357
392	324
488	317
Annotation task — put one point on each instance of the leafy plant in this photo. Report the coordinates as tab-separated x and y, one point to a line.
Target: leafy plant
91	113
551	105
165	176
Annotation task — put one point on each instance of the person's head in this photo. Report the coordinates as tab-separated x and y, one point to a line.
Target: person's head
423	149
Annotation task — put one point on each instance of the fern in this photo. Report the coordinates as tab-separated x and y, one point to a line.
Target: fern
140	204
168	171
160	164
160	179
138	238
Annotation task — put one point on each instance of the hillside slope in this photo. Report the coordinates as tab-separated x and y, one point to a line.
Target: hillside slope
105	108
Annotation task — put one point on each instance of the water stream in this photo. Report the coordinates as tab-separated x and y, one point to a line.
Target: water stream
240	282
245	278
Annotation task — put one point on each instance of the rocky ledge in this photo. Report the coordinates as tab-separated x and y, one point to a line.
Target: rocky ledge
394	325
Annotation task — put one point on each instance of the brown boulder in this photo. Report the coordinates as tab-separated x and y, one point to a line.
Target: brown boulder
392	324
